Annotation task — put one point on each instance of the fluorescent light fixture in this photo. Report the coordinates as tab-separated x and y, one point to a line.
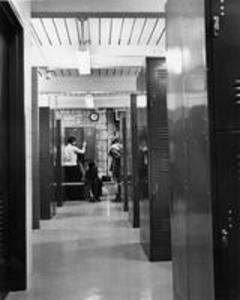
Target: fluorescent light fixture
44	101
141	101
89	101
83	61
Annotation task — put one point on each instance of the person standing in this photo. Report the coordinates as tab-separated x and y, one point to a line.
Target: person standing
93	182
70	159
115	152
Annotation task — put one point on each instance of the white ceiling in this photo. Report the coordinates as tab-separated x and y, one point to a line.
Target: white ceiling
98	31
113	42
120	34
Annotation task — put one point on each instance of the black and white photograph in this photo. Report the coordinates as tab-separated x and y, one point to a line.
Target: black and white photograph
119	150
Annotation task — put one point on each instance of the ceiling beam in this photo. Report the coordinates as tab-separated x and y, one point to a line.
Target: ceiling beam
86	15
101	56
96	8
87	84
100	101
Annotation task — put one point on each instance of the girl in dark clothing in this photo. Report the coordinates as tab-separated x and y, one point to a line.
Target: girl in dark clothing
115	152
93	182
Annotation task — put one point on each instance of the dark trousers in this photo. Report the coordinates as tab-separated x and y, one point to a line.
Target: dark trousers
72	174
94	186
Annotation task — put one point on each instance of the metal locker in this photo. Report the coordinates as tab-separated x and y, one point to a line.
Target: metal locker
129	159
143	176
124	166
133	172
47	205
224	82
225	60
4	158
35	152
59	174
12	155
227	229
204	122
154	210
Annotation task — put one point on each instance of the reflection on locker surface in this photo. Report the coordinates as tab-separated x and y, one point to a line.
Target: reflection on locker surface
204	122
154	192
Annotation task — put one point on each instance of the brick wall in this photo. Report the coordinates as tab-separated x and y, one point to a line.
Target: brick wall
105	129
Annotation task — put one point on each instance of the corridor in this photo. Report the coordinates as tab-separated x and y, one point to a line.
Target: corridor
90	252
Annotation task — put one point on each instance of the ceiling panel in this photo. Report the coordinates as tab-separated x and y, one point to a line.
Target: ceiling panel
93	24
116	30
112	42
126	31
105	29
147	31
73	29
100	31
136	30
124	71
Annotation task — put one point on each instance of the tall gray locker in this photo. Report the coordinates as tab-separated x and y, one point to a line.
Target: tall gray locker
153	163
204	120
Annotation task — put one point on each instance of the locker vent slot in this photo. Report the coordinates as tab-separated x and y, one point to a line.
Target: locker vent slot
238	166
161	73
237	91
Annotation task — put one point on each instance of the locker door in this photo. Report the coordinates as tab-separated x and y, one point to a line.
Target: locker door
58	169
124	170
226	61
35	152
143	173
53	158
3	163
227	248
158	158
12	162
46	167
134	200
225	101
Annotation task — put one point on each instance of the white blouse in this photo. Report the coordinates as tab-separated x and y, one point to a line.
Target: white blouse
70	155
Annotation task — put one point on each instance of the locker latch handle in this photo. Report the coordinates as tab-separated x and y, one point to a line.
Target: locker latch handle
216	25
224	237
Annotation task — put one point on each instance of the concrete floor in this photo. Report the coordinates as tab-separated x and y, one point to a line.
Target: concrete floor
90	252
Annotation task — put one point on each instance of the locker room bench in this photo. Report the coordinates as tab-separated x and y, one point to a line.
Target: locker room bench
73	190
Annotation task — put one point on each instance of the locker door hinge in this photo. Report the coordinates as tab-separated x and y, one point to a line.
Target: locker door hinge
216	26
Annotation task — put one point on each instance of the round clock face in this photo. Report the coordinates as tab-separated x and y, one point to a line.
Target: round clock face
94	116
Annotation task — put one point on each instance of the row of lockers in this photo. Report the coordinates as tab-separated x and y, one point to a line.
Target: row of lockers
146	187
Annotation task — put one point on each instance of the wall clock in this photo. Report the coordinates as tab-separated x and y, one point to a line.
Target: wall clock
94	116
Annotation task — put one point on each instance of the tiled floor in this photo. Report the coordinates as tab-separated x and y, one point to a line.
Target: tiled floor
90	252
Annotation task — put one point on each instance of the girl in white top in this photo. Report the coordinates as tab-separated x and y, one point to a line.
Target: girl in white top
71	151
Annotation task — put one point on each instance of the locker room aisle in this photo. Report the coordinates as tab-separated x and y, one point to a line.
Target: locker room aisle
90	252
